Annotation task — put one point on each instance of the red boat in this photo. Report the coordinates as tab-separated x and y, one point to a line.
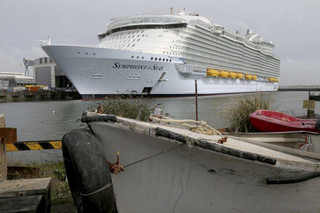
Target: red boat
272	121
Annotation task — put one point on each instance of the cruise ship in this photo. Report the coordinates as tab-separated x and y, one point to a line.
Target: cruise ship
163	55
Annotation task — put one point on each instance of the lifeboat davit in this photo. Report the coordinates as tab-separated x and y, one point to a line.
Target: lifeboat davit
273	121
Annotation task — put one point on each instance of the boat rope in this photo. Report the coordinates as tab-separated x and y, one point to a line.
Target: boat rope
98	190
152	156
195	126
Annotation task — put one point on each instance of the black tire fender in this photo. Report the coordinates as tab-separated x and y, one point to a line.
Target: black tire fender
88	172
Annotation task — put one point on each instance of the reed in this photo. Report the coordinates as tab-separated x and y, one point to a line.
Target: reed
130	107
240	108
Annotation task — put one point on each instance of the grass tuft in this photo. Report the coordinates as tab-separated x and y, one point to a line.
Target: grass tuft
240	108
132	107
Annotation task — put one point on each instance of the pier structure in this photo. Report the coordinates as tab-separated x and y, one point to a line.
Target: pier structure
56	94
22	195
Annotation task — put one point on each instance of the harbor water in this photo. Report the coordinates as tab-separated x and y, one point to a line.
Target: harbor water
50	120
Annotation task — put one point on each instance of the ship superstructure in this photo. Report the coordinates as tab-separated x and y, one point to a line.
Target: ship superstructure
164	54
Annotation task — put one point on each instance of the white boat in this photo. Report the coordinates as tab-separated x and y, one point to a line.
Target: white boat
171	169
163	55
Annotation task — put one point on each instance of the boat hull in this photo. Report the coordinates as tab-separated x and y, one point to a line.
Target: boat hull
163	175
100	71
272	121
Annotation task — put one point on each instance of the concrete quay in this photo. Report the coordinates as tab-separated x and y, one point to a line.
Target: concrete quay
40	95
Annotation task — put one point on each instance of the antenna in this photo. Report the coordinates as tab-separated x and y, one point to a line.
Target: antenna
27	63
46	42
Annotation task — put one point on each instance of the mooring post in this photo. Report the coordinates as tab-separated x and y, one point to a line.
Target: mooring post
3	156
196	94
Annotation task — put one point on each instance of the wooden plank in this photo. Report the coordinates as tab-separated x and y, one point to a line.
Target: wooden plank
21	204
25	187
8	134
309	104
3	160
2	121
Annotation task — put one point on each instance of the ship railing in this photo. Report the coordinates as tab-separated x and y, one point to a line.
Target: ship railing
145	20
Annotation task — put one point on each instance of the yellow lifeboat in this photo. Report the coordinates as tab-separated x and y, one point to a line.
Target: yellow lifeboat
248	76
254	77
232	75
271	79
212	72
224	74
240	75
276	79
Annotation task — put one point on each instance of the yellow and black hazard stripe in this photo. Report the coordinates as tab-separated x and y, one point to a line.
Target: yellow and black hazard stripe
33	145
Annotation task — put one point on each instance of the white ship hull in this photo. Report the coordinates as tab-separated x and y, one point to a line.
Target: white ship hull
163	175
101	71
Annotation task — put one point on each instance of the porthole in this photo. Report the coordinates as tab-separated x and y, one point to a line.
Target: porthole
78	53
155	58
94	53
151	58
159	59
163	59
86	53
167	60
137	57
170	60
142	57
132	56
133	45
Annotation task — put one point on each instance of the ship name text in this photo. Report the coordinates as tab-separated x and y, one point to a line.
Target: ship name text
117	65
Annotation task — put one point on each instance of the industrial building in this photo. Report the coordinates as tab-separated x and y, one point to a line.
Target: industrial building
10	79
46	72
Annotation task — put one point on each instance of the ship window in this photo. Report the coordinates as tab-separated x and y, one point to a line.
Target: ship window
159	59
94	53
167	60
142	35
132	56
86	53
155	58
133	45
137	57
151	58
40	60
78	53
170	60
139	39
163	59
142	57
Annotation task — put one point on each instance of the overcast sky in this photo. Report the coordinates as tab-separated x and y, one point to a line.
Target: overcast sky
292	25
